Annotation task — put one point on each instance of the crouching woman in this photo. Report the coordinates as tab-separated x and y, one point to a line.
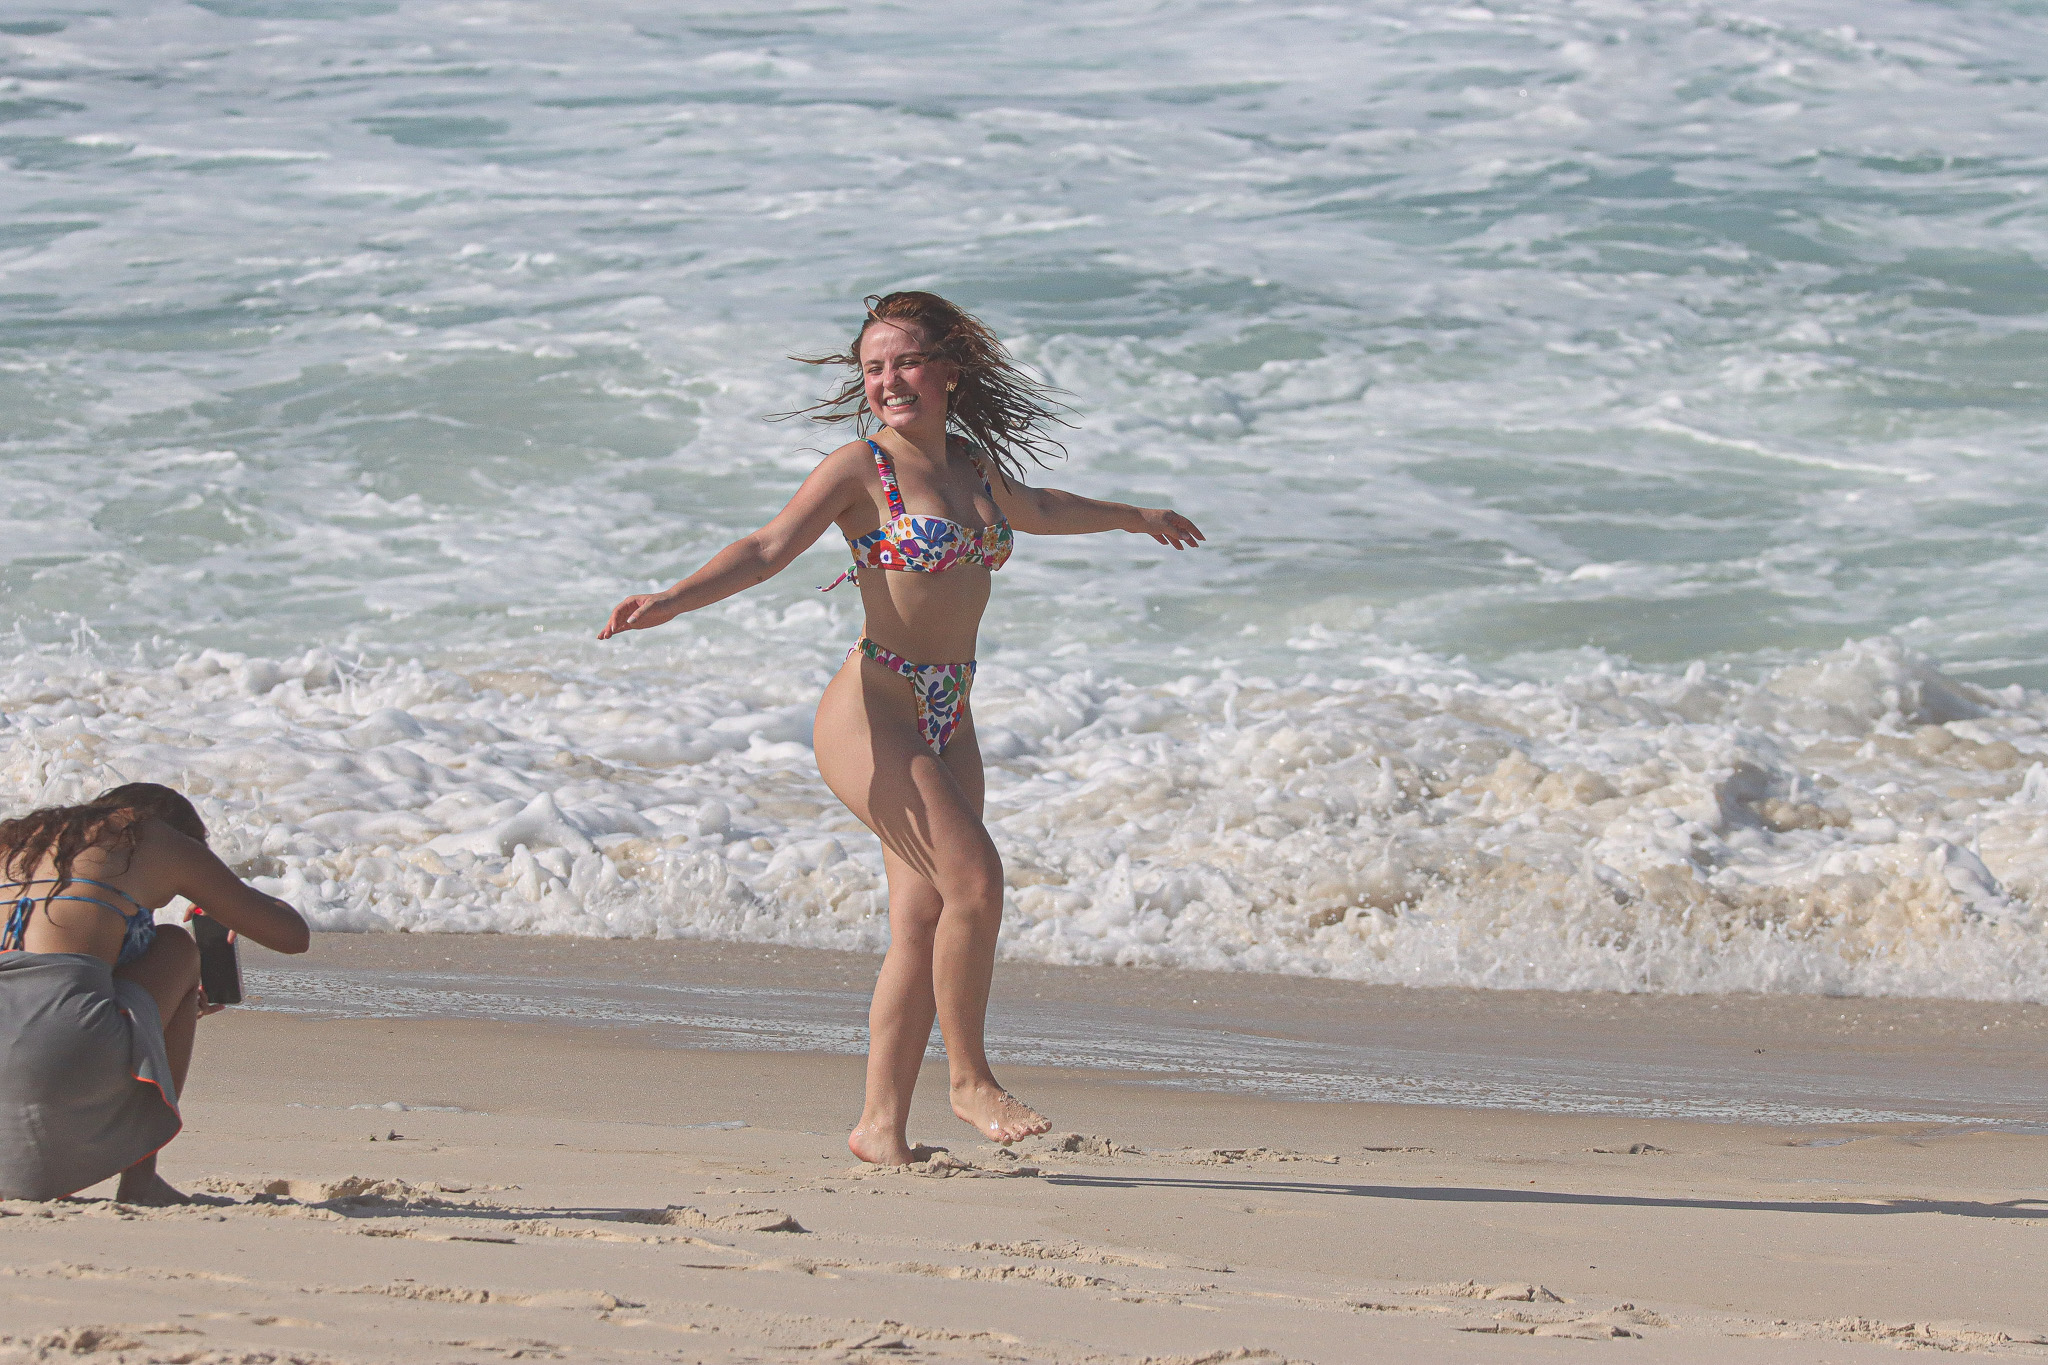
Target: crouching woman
98	1005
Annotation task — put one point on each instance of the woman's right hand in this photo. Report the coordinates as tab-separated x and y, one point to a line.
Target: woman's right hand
638	612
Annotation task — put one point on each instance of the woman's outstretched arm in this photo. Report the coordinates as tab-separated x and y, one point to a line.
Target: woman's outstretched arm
198	874
755	557
1056	512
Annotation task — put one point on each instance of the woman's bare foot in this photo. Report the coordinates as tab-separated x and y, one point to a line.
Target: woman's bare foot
997	1114
878	1147
141	1185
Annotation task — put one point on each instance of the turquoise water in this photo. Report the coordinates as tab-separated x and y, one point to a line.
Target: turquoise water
1561	385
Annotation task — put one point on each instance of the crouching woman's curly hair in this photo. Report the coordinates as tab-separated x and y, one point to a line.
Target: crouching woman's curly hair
112	820
998	409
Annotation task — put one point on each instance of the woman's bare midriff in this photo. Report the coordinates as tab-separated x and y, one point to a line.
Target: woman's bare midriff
927	618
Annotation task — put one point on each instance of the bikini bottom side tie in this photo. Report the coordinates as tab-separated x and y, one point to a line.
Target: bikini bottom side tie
940	690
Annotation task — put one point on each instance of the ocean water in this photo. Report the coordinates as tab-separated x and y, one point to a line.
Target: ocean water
1618	427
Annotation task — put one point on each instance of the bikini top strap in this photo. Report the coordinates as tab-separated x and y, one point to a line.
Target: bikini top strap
974	458
15	936
888	472
140	908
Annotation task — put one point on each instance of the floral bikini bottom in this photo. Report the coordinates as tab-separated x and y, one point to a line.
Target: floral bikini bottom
940	690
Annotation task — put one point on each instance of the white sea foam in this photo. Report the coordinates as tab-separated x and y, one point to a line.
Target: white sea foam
1859	824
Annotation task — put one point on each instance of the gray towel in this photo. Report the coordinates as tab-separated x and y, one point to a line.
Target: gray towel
85	1087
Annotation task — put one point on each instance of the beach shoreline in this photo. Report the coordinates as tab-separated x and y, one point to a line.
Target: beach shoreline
1768	1058
526	1197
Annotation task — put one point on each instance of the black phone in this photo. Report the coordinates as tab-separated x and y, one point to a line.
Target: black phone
220	965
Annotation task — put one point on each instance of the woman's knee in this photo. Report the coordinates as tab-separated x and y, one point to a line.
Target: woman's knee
168	969
974	884
180	950
911	925
172	955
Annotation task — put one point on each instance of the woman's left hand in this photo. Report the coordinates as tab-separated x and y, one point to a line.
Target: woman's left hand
641	611
1168	527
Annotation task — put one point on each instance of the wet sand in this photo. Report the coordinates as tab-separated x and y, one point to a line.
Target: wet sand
584	1190
1772	1058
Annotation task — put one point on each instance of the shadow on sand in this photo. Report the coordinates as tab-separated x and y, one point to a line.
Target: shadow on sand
1962	1208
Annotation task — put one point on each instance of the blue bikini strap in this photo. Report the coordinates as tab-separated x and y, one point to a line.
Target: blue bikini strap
16	935
140	911
140	908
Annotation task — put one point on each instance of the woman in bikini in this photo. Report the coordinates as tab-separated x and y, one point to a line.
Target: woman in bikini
895	731
98	1006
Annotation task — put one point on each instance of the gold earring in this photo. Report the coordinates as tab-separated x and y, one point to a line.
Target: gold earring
952	386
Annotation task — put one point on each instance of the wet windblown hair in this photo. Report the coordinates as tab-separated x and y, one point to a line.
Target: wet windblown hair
997	408
111	820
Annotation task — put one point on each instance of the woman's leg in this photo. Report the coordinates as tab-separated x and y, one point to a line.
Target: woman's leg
169	971
927	813
900	1019
963	966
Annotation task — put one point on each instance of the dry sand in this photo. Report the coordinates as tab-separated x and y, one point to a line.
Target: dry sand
564	1191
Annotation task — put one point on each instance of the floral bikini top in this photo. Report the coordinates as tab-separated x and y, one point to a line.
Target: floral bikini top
925	544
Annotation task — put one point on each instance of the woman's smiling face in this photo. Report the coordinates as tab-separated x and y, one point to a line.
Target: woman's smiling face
905	390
